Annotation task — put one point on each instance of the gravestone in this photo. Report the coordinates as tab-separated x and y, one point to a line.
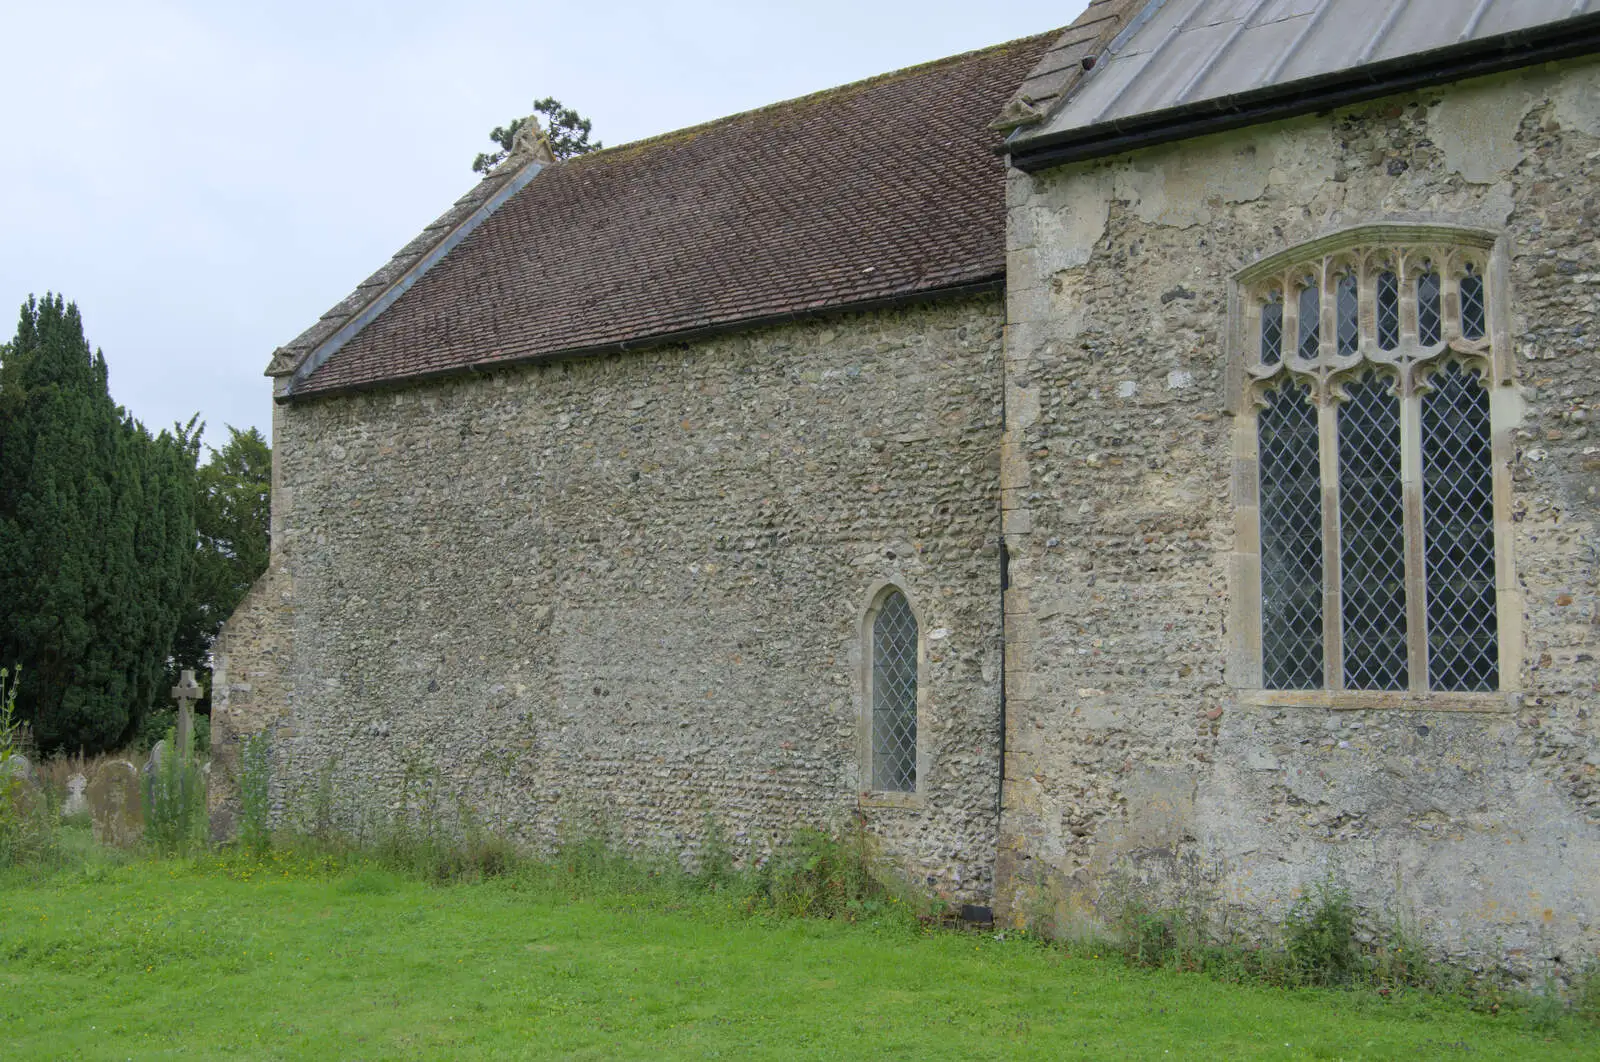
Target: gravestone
158	752
17	764
16	777
116	804
76	803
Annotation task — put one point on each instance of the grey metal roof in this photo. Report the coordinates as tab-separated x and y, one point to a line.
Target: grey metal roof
1063	65
1178	53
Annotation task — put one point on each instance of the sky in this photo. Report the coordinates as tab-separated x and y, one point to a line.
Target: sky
205	179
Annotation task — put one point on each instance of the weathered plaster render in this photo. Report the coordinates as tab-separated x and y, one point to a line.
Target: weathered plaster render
1132	763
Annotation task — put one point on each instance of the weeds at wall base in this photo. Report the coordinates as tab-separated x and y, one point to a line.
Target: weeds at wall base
833	874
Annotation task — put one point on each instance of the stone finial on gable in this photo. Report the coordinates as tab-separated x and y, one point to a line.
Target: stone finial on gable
1019	111
530	144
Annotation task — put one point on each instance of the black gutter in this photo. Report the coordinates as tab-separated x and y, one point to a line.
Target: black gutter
1552	41
986	286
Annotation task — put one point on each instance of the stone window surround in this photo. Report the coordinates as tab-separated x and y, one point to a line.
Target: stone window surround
867	796
1248	288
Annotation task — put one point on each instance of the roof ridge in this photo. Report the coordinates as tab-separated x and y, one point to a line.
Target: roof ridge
830	92
621	259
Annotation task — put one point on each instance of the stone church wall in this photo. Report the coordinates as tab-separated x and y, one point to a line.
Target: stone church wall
625	592
1134	769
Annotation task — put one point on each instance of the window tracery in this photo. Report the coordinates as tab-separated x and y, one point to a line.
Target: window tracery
1373	462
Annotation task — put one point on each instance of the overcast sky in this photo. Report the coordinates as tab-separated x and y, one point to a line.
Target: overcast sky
205	179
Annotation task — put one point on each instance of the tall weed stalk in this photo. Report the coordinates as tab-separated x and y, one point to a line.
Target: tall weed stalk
255	792
175	802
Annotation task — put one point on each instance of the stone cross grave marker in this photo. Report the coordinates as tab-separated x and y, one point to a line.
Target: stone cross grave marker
186	692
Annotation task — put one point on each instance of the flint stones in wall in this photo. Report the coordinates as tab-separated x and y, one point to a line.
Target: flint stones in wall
115	803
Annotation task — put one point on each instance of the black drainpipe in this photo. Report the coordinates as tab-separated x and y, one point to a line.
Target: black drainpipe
1005	584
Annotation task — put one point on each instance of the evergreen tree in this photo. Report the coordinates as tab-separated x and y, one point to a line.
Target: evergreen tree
96	537
566	129
233	507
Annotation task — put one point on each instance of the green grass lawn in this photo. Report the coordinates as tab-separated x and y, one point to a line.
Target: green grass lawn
156	960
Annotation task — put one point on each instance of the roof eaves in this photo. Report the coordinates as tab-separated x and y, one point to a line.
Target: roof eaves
293	363
968	287
1548	42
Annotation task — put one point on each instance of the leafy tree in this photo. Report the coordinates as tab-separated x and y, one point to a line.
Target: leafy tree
96	536
566	129
233	507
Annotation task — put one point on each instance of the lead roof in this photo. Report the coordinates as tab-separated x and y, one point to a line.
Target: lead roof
1172	54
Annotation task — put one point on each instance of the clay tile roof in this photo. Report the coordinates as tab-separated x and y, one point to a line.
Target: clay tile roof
885	189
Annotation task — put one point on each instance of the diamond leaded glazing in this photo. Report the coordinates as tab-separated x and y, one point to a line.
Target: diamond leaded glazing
1388	310
1272	331
1372	545
1410	577
1472	305
1310	321
1291	540
1458	533
894	695
1348	315
1429	318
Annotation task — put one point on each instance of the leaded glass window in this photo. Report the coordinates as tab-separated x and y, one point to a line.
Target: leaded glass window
1272	329
1472	305
1372	548
1429	317
1458	529
1291	540
1388	310
1310	320
895	659
1349	320
1374	466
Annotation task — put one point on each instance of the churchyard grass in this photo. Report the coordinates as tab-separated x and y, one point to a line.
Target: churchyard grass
300	955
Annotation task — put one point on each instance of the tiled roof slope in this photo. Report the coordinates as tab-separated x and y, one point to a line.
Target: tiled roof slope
1061	66
878	190
291	354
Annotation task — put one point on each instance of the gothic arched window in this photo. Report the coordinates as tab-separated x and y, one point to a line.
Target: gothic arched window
892	689
1374	555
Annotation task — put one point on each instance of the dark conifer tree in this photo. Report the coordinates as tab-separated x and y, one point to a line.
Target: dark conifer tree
96	537
233	507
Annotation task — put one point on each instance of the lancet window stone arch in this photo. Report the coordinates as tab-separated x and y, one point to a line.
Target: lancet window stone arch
1370	375
894	695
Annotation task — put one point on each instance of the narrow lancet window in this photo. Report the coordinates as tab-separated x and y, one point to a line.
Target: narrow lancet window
1291	540
1429	317
1348	314
1372	553
1388	310
1272	330
1310	321
1458	533
895	655
1472	305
